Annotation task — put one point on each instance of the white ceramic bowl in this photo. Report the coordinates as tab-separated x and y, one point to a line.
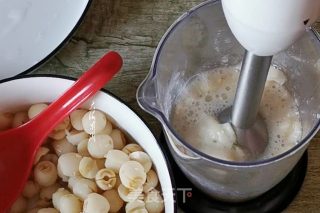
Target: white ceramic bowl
20	92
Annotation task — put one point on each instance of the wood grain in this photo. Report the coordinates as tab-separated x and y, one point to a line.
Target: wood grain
134	28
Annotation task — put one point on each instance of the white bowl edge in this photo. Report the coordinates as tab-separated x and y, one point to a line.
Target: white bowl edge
16	94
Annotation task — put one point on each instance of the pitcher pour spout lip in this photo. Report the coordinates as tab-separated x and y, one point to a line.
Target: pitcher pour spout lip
147	97
149	104
147	100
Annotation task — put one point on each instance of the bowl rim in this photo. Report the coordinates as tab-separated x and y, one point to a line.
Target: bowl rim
105	91
159	115
61	44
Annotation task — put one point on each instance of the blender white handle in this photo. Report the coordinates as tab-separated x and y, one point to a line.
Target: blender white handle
266	27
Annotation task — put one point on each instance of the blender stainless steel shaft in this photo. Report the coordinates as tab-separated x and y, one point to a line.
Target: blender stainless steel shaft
250	128
254	71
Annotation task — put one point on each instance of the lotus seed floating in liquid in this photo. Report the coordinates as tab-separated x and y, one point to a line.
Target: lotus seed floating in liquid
206	94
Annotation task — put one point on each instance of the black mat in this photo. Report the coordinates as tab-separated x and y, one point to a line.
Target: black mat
275	200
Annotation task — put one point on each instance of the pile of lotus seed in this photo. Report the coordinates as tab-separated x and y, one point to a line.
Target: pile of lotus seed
87	165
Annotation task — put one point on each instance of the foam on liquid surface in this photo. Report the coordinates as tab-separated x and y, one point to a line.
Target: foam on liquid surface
207	94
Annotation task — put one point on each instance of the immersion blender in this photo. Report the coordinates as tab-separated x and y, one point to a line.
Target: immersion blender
263	28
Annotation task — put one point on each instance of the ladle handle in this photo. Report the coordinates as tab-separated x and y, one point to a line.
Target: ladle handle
254	72
87	85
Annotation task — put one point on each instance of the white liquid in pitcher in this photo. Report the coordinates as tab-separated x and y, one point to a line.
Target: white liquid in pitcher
207	94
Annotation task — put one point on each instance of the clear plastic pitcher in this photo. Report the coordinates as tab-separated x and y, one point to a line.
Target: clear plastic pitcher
201	40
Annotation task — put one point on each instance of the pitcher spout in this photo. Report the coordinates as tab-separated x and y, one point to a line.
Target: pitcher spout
147	96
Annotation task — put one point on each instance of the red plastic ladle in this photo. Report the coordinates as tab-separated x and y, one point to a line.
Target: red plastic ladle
18	146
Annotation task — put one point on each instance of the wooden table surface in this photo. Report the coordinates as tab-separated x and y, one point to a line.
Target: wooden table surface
134	28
